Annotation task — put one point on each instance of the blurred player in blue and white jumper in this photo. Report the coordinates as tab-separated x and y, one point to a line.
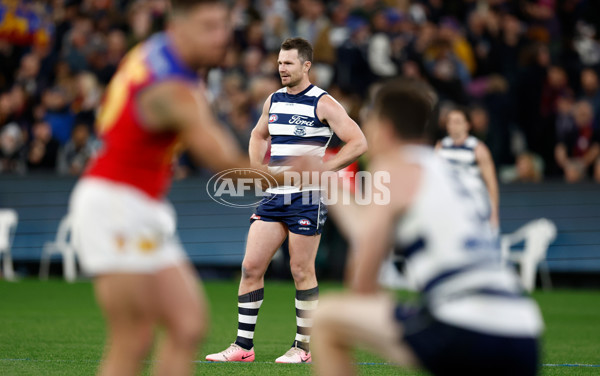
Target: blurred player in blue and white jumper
298	119
474	318
472	162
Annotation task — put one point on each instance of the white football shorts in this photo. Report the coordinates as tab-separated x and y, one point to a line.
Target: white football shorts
120	229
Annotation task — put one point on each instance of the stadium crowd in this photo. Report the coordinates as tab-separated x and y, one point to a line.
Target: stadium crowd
527	70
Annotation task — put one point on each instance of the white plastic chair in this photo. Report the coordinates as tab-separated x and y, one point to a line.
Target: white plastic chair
537	235
61	245
8	227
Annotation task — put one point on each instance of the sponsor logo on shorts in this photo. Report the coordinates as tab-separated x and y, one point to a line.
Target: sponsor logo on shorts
254	216
304	222
273	118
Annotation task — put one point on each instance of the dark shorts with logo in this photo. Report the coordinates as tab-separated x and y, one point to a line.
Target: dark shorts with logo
448	350
303	213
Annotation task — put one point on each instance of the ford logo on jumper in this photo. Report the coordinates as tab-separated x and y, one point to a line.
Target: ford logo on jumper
301	120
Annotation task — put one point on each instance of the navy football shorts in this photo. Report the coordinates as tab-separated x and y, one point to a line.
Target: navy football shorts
303	213
448	350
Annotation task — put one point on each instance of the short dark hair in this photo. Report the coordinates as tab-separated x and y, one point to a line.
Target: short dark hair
185	5
463	110
408	105
305	49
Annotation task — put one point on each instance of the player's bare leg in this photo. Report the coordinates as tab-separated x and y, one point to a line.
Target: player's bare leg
303	252
264	239
126	302
342	321
182	311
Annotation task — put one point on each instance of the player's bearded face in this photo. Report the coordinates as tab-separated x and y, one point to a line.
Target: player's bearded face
208	29
291	68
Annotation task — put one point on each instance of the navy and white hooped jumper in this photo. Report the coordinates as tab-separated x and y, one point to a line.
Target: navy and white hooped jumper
463	161
475	318
295	130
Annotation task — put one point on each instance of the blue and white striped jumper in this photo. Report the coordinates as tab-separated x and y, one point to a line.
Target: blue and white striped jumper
295	129
453	260
464	163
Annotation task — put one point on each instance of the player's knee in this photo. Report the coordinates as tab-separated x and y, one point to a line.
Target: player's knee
136	341
252	270
189	331
188	326
302	271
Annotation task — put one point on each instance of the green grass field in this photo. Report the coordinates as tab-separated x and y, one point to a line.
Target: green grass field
55	328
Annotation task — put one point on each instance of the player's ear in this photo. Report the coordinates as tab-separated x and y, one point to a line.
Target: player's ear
307	65
387	129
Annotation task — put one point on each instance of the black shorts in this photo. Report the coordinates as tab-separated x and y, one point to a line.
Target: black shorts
445	349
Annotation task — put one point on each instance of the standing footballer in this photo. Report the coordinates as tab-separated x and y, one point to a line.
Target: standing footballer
299	119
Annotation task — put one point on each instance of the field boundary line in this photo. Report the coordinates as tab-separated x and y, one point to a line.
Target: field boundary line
260	362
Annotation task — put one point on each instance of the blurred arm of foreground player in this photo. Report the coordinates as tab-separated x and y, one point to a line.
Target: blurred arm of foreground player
178	106
369	228
175	105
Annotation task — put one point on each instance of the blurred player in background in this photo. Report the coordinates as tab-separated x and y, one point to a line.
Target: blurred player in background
474	318
299	119
473	163
124	228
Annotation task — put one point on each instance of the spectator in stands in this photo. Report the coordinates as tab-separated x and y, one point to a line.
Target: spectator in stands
380	53
77	42
482	27
11	145
43	148
450	31
27	75
9	63
140	21
116	47
353	73
73	157
508	44
277	20
447	73
591	92
530	83
5	108
87	97
479	122
312	21
20	112
58	114
529	168
577	154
